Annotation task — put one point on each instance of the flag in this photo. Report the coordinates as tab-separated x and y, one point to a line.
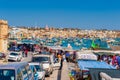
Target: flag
93	45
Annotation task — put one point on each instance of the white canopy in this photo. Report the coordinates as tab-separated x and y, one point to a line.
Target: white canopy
86	55
116	52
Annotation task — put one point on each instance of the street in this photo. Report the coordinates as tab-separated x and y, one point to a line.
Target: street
57	74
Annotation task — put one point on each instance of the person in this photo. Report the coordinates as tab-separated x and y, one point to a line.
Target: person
72	74
61	63
55	57
64	58
59	57
67	56
26	53
74	56
23	53
40	51
118	60
114	60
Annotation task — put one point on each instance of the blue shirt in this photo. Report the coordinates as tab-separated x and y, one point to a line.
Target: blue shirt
67	54
118	59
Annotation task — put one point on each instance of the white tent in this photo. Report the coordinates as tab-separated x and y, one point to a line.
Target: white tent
86	55
116	52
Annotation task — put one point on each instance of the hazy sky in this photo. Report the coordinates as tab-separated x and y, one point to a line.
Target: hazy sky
84	14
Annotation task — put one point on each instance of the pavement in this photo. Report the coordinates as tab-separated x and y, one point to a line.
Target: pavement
65	72
60	74
28	58
71	66
53	76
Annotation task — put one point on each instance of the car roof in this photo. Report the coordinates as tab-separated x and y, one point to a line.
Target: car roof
14	65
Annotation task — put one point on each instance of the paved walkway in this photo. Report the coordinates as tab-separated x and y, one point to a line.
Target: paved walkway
53	76
64	72
60	74
27	58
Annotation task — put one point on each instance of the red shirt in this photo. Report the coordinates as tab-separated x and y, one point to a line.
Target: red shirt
114	60
26	51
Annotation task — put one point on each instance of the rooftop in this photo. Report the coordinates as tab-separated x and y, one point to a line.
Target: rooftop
3	22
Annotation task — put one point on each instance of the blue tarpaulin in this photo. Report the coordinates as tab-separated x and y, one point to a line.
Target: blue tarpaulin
86	64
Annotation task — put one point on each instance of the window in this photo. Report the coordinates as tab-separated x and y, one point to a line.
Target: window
19	75
14	54
29	72
28	69
40	59
38	68
32	68
24	71
6	74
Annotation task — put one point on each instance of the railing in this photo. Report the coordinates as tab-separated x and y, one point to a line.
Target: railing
104	76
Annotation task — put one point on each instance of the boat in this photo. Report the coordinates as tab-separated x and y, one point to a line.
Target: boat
114	45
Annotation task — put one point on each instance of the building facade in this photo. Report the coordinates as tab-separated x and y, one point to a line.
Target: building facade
3	35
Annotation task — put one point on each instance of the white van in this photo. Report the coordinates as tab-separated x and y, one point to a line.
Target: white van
46	61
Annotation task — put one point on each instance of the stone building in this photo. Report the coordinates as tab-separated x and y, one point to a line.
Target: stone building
3	35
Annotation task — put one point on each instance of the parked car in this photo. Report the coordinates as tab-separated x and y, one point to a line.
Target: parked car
39	69
15	56
16	71
46	61
14	48
2	55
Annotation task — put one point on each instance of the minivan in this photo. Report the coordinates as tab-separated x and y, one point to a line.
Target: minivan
16	71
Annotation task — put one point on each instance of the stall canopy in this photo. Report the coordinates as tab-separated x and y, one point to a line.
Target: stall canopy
116	52
88	55
86	64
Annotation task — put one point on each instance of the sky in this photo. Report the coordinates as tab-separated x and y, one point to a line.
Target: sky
83	14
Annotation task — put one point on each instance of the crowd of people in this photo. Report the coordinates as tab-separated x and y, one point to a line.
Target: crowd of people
24	48
60	55
113	60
